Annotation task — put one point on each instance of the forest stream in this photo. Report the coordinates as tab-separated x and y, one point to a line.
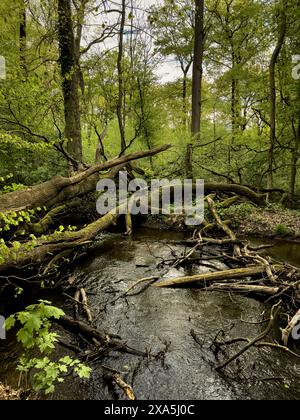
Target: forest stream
177	325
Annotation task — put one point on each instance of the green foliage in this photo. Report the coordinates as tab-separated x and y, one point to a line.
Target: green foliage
15	218
281	229
238	212
35	336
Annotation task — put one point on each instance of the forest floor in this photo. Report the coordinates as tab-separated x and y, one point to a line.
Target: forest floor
7	393
250	220
270	223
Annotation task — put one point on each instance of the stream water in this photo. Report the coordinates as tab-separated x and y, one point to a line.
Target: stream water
161	321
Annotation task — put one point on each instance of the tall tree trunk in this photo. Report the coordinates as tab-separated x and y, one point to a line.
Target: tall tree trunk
197	81
81	9
235	105
121	78
184	104
294	162
144	119
23	37
185	67
233	120
70	81
272	82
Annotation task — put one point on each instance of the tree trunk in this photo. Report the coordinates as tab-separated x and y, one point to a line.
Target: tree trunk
197	78
120	110
233	115
184	104
144	119
197	68
70	83
23	37
272	82
189	161
294	162
185	70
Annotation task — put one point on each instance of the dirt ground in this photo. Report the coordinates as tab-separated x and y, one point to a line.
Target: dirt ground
7	393
272	223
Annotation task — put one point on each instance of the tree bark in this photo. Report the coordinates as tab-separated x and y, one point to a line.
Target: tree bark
185	69
120	110
294	162
197	67
197	79
23	37
70	83
272	82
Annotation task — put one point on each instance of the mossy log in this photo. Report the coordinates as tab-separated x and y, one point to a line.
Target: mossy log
36	252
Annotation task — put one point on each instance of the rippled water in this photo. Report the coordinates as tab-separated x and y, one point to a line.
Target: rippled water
284	251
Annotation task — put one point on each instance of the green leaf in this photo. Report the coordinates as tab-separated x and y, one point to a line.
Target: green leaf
10	323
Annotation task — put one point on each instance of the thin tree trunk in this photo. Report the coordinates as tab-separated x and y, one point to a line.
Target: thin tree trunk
272	81
294	162
121	78
23	37
235	106
70	81
144	120
197	81
185	69
184	104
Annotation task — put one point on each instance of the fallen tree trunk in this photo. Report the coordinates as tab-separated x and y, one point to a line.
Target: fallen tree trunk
42	227
107	341
235	273
60	188
245	288
241	190
57	243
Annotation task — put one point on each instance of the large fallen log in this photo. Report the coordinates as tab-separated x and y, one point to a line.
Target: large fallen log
60	189
241	190
235	273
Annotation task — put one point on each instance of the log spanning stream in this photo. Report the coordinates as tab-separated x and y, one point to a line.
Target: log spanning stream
177	325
